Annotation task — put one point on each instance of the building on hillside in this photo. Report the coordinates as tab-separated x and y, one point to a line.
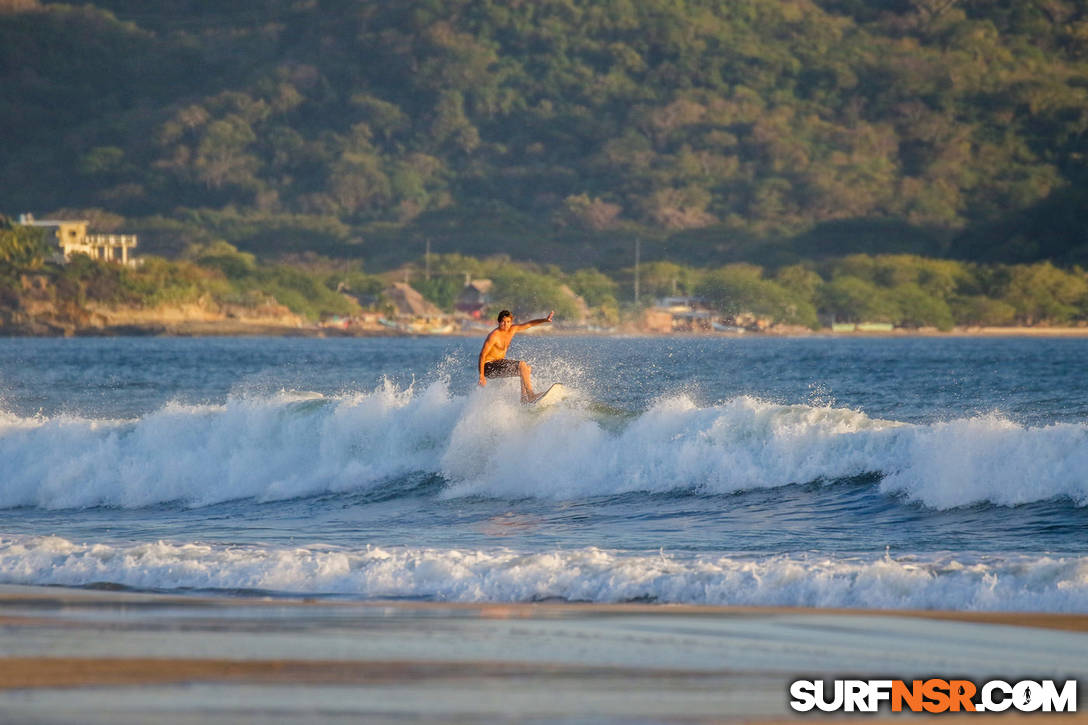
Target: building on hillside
72	238
680	304
744	321
474	297
678	314
694	314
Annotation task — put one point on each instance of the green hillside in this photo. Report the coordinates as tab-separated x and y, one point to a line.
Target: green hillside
765	131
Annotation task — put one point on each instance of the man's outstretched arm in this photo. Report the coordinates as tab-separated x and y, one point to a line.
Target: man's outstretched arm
533	323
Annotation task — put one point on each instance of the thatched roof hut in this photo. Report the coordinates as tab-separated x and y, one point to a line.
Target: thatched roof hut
408	301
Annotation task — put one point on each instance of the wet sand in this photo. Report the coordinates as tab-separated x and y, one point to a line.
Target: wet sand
115	657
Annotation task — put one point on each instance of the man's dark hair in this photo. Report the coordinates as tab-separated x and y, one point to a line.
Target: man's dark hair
504	313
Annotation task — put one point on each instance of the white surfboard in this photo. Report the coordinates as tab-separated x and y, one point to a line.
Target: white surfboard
551	396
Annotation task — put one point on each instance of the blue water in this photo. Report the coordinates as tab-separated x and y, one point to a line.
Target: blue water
928	472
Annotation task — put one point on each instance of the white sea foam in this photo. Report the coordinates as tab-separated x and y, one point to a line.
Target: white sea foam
589	574
286	446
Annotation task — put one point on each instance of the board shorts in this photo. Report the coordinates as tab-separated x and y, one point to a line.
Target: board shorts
502	368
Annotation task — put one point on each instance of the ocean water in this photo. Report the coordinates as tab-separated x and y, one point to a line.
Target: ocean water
921	473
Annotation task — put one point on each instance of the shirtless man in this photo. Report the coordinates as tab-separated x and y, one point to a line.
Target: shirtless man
493	362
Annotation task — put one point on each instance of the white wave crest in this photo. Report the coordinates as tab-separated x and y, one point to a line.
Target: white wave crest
286	446
280	447
590	574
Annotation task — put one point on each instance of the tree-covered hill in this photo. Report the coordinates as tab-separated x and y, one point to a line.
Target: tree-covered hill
557	130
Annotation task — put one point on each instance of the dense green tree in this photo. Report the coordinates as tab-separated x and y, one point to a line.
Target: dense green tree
851	299
977	310
1044	293
595	288
527	293
919	308
221	155
21	247
665	279
741	288
800	281
226	258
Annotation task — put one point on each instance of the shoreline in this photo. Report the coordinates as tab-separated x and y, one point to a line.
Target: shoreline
237	329
106	656
56	597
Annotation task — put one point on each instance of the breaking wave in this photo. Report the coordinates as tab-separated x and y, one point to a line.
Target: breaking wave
294	445
588	574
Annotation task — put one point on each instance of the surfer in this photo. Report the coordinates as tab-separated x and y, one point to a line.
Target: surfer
493	362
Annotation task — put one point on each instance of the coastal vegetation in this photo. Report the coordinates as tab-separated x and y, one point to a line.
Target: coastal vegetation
903	290
915	162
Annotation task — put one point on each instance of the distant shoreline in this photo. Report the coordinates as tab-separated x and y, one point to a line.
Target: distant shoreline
1013	331
240	329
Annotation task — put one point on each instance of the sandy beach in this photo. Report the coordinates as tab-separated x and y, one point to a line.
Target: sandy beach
70	655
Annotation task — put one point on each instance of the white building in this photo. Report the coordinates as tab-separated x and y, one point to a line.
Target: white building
72	238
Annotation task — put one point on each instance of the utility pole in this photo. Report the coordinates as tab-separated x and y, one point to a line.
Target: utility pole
638	250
